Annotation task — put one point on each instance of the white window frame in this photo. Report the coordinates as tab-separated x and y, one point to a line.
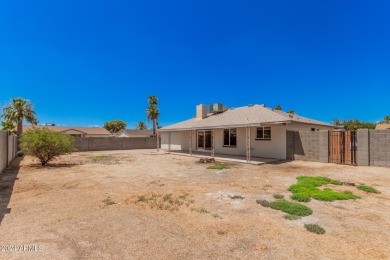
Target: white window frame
262	128
223	136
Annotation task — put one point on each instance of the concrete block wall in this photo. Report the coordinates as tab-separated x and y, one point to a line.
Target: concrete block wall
363	154
3	150
113	143
379	147
307	145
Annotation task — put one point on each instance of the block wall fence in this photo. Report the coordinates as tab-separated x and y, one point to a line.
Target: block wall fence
8	149
373	146
84	144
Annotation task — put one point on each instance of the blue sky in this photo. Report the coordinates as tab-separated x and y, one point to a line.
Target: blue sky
87	62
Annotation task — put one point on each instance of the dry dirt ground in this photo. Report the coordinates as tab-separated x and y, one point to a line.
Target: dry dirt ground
64	209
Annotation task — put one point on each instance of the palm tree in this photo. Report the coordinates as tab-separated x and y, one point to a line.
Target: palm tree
141	126
18	110
153	112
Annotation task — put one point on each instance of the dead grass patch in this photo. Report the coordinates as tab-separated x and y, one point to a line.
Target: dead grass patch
165	201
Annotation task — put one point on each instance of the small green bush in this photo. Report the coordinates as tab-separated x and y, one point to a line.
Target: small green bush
45	144
217	167
291	217
288	207
291	208
315	228
367	189
278	196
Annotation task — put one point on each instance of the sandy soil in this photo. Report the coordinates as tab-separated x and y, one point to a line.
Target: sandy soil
60	209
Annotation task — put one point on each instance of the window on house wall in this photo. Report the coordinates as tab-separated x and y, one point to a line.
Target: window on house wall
229	137
263	133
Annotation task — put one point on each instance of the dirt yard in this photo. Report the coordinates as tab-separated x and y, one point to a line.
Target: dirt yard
86	205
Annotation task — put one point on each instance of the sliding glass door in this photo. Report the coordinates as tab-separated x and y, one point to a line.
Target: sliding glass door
204	139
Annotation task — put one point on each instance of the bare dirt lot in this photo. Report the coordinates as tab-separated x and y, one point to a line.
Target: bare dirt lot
86	205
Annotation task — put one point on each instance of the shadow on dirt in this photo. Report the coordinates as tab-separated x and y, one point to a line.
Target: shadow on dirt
7	182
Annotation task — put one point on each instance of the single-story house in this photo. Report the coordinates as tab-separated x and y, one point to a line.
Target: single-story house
382	126
75	131
134	133
251	131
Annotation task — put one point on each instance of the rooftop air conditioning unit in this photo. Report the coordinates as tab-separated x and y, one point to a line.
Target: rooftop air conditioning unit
217	108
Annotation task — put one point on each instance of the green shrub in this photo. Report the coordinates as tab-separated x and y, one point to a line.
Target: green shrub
278	196
367	189
291	217
291	208
306	188
315	228
217	167
288	207
45	144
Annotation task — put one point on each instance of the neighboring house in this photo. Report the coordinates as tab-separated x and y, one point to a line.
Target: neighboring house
382	126
75	131
134	133
254	129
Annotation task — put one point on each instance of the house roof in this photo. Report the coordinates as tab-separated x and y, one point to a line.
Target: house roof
85	130
382	126
135	132
242	116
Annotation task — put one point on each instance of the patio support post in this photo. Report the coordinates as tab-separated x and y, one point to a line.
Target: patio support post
190	143
248	144
158	141
169	142
212	143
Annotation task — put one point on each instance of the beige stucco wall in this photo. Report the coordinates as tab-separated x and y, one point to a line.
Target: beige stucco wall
274	148
178	140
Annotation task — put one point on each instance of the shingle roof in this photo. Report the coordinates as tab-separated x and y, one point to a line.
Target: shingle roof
86	130
242	116
136	132
382	126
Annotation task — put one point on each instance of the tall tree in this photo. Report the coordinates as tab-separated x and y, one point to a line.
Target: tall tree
386	120
19	109
141	126
278	107
152	111
353	125
114	126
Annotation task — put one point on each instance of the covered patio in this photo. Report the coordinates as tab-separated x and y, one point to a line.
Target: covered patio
226	157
